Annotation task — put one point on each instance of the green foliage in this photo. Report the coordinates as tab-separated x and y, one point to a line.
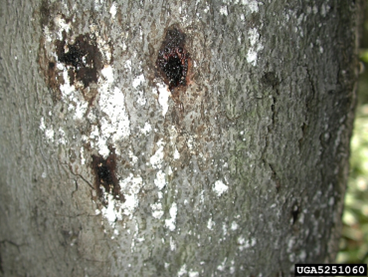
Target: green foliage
354	241
364	56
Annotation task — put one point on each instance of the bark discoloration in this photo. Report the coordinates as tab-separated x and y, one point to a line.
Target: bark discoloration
82	57
105	177
173	60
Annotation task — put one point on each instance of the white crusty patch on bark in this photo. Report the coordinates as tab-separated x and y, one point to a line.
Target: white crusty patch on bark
163	97
210	224
130	187
160	181
183	270
157	158
219	187
115	209
170	223
49	132
234	226
255	46
113	10
244	244
115	122
112	212
252	5
157	211
223	10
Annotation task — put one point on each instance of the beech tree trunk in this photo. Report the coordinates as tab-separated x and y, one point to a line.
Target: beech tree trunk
174	138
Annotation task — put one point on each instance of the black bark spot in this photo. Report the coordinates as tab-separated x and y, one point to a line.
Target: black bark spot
173	60
270	79
51	65
83	57
105	177
295	213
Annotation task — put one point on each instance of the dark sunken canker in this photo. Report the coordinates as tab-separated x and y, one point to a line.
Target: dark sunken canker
83	56
173	59
105	176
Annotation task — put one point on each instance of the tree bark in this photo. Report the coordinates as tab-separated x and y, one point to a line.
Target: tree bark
164	138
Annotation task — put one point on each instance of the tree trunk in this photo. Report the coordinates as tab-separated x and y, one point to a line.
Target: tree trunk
174	138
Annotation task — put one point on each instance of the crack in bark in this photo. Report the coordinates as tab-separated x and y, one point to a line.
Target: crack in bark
275	178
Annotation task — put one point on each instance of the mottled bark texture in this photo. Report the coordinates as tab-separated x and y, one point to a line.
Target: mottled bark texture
239	169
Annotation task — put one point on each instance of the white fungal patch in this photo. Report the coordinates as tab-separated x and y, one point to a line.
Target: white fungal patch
113	10
163	97
170	223
133	158
243	244
241	240
131	202
172	244
252	5
112	117
223	10
42	124
62	138
49	133
128	65
62	26
221	267
112	212
193	274
224	229
219	187
83	160
157	158
255	46
210	224
157	211
160	181
66	89
115	122
146	128
80	110
176	154
232	267
234	226
130	187
107	73
183	270
137	81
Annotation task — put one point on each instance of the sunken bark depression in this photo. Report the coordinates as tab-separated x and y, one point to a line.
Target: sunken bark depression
83	56
173	60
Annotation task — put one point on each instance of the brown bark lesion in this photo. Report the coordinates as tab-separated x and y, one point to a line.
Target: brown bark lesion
104	170
82	57
173	61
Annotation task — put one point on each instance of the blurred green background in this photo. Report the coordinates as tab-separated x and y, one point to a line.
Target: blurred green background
354	240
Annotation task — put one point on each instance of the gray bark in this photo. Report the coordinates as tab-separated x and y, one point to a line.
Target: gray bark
240	172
